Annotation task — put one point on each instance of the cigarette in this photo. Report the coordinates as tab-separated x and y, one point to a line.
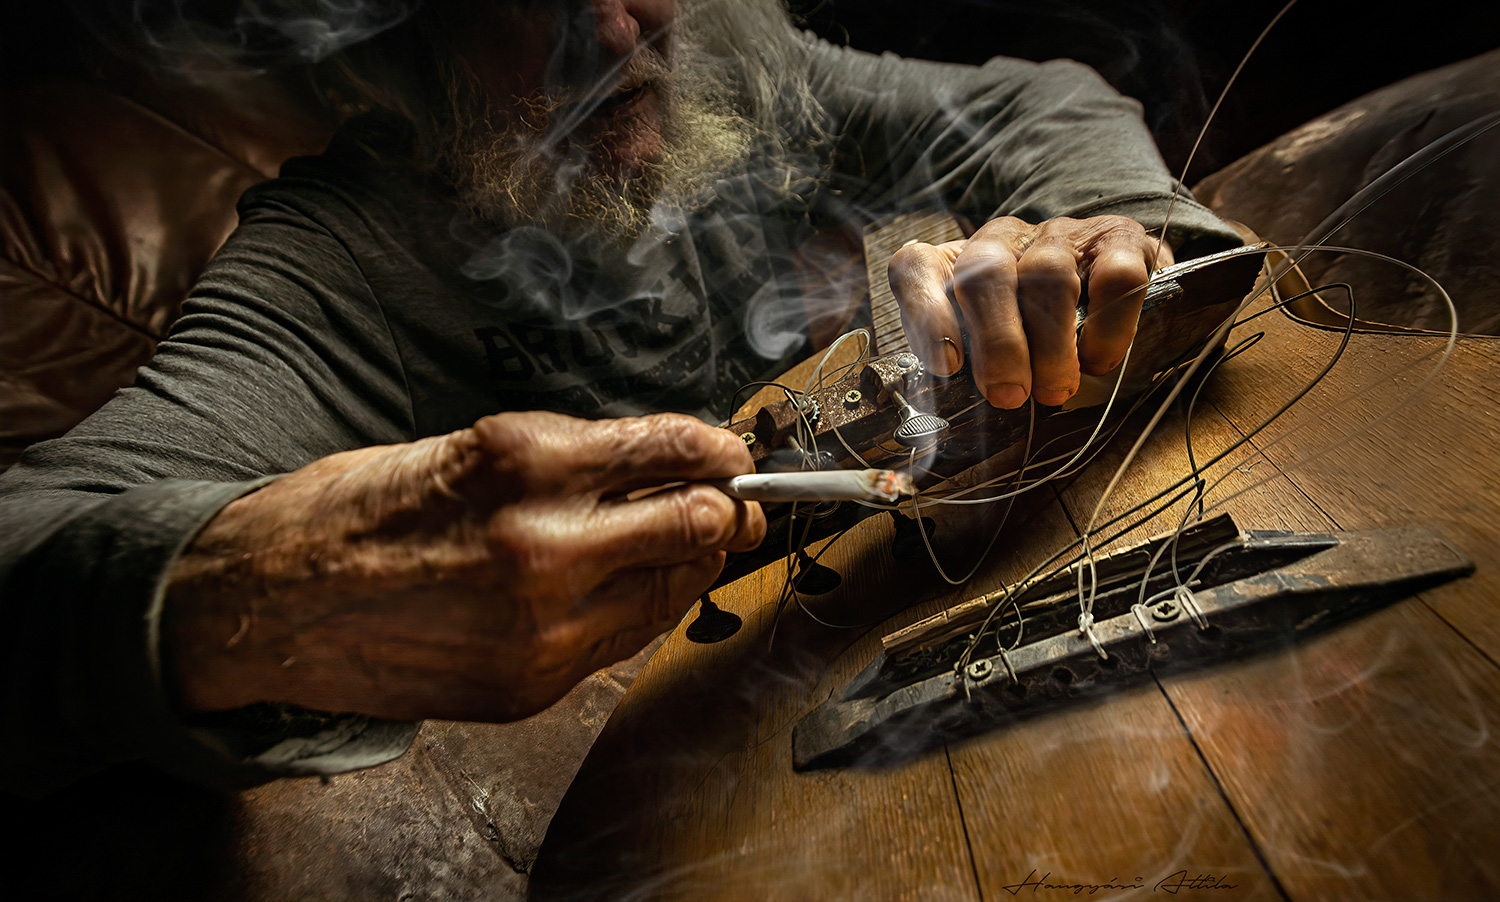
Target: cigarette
819	485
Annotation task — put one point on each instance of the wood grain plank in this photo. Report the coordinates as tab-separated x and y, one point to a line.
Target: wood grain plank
1356	765
1360	761
690	792
1363	762
1105	793
1111	792
1433	463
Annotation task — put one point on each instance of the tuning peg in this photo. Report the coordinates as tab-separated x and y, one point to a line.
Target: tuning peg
915	426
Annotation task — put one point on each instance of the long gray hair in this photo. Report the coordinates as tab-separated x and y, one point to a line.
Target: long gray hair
755	38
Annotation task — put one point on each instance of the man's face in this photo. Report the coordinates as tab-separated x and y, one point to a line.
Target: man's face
587	112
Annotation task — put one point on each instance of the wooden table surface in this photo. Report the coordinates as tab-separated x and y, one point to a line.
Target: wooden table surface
1360	764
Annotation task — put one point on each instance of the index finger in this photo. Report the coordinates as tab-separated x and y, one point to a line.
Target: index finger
558	454
986	280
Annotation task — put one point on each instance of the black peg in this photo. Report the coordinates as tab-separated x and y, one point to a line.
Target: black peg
813	578
713	623
908	542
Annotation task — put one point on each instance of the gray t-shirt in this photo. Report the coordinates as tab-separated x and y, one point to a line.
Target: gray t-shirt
355	305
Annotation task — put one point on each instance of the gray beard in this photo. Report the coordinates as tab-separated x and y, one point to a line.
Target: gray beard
531	171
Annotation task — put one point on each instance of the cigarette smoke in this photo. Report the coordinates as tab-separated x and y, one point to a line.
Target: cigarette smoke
181	35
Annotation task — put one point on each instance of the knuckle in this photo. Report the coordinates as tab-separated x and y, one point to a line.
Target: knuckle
754	531
657	441
628	434
1061	226
539	564
918	278
1124	225
689	440
1049	260
910	257
523	448
1118	276
1124	263
504	438
1005	228
982	272
705	517
984	259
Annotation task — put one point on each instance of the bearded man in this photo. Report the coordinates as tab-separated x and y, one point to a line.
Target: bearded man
384	465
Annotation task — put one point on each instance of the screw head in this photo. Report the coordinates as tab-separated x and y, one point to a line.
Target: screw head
906	361
748	438
980	669
853	397
1165	610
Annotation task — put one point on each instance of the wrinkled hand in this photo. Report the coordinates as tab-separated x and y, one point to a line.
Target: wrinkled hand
1018	286
472	576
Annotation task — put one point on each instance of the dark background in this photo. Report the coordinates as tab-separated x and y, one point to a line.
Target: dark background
1176	55
1173	55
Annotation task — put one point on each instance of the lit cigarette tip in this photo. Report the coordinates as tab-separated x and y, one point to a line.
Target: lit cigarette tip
891	485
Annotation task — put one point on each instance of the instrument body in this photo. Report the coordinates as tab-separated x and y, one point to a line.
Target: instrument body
1356	764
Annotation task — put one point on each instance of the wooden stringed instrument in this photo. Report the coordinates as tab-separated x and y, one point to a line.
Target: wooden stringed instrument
870	416
1356	763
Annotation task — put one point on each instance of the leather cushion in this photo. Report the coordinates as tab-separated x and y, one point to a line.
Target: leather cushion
108	212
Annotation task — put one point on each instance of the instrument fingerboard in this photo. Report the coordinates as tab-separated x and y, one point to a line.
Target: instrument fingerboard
884	237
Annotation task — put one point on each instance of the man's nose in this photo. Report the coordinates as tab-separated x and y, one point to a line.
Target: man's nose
623	24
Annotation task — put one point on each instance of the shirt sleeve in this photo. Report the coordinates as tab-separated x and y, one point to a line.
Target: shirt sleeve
281	357
1011	137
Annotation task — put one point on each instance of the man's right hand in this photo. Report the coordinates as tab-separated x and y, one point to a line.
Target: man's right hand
472	576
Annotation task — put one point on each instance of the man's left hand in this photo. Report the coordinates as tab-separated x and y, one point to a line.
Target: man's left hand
1018	286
